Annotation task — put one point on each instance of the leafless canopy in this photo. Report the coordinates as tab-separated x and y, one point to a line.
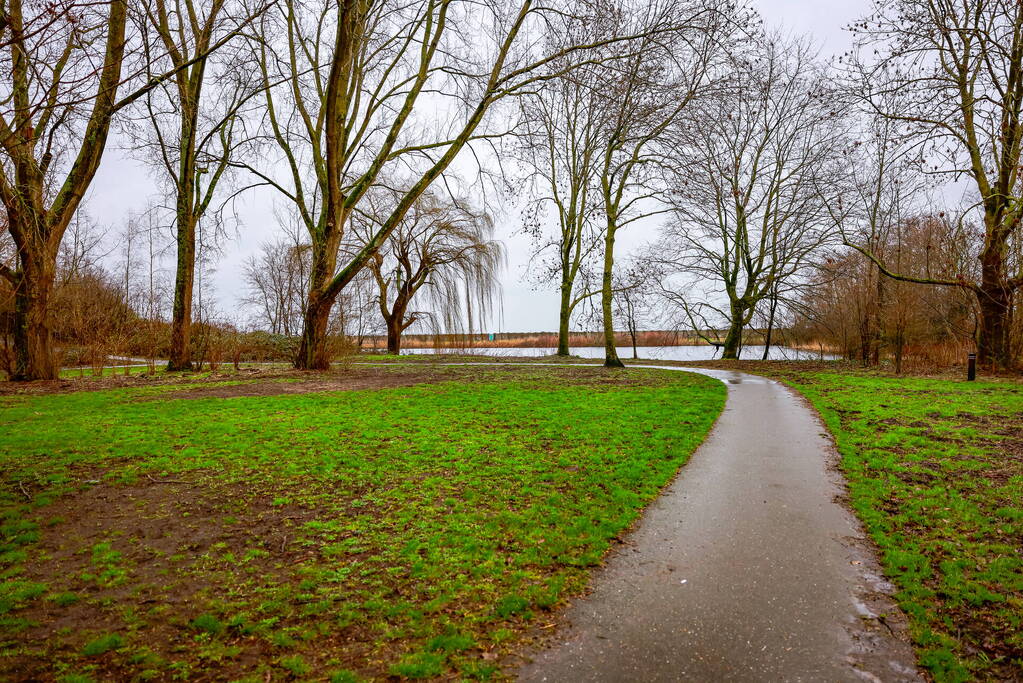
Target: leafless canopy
747	213
439	269
949	75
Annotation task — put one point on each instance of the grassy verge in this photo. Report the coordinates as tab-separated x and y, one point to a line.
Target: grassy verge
935	471
88	373
164	531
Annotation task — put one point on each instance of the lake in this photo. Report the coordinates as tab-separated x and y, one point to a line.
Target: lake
645	352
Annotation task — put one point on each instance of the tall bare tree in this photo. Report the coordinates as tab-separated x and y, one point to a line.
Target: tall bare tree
558	146
633	297
880	188
439	267
370	88
950	73
192	125
642	96
60	91
748	219
50	79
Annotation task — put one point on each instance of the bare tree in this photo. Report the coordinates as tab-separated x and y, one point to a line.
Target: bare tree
371	89
144	281
60	91
641	97
441	257
845	309
48	75
950	74
747	216
357	313
191	125
558	146
633	297
277	281
879	189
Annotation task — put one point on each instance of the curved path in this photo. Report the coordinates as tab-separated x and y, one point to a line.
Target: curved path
747	568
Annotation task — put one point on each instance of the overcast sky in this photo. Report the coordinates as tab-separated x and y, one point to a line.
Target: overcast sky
123	185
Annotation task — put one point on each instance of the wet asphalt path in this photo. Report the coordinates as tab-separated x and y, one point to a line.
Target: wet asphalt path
747	568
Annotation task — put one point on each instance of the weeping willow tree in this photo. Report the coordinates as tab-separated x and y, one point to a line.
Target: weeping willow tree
439	269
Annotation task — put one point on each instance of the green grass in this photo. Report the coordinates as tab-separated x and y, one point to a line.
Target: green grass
415	531
935	471
102	645
90	373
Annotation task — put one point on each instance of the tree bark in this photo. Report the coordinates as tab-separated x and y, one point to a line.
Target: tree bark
181	322
393	336
993	346
312	352
733	340
611	359
564	317
770	328
994	298
34	358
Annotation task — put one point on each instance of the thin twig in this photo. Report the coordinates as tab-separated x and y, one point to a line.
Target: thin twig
24	492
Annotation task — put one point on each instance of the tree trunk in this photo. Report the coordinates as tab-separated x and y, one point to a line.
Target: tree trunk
865	336
394	336
993	347
770	327
564	316
995	301
611	359
34	357
186	218
733	340
312	352
184	280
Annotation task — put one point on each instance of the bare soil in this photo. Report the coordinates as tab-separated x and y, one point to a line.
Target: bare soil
253	382
278	381
353	380
152	525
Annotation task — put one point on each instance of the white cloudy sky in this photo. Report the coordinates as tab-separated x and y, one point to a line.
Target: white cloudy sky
123	185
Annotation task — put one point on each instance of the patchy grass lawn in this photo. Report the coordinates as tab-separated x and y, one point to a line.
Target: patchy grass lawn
237	531
935	471
86	372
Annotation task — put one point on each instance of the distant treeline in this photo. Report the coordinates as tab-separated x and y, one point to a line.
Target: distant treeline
528	340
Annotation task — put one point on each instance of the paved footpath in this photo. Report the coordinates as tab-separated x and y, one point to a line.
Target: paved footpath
747	568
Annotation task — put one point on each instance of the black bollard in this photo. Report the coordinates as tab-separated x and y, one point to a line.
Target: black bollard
971	367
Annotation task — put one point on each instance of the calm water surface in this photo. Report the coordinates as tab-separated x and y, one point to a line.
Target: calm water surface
645	352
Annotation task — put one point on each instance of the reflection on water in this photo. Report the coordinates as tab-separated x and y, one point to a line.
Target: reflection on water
646	352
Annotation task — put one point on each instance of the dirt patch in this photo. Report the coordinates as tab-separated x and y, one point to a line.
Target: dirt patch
355	380
149	556
275	379
281	381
